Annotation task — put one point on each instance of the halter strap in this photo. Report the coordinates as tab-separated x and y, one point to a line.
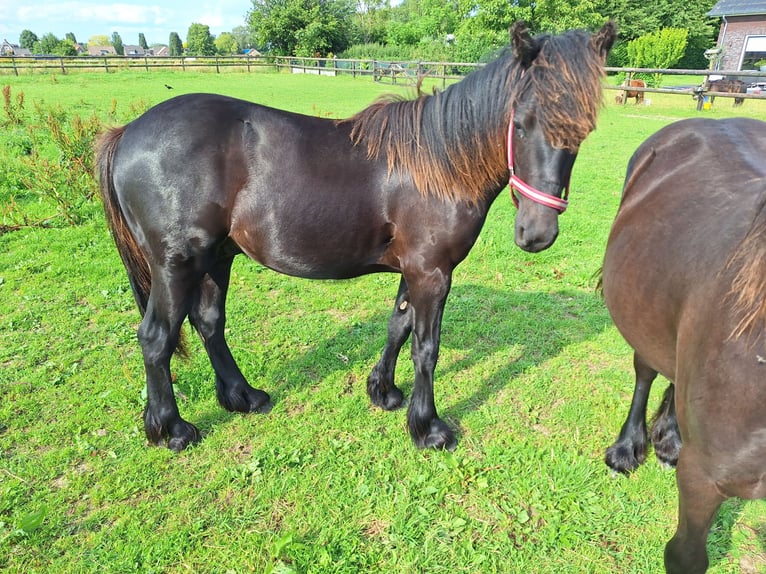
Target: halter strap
515	182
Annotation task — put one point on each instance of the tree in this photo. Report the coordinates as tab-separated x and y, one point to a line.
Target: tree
117	43
142	41
71	37
98	40
226	43
242	37
293	27
175	46
48	44
662	49
199	42
27	39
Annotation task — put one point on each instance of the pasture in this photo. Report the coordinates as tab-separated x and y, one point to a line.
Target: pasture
531	373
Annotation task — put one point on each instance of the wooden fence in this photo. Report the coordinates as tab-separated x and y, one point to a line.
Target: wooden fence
407	72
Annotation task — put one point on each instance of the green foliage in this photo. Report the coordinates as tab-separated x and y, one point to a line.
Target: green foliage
175	46
301	27
199	41
27	39
662	49
226	44
13	107
117	43
142	41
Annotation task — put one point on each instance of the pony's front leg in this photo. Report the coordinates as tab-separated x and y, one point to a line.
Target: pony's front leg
381	388
428	296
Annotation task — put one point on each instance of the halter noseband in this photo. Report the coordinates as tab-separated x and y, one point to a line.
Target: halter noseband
515	182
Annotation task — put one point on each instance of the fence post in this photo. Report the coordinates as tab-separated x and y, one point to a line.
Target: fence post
15	69
106	65
61	63
217	69
146	64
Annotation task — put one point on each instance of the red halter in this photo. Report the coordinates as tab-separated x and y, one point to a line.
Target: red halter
515	182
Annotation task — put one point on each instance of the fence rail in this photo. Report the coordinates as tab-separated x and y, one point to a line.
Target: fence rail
401	71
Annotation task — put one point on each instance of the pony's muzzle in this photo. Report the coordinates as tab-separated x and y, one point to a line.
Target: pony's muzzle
537	233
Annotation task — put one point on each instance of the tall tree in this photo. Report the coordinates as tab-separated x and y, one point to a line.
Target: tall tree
226	44
301	27
199	42
48	44
175	46
71	37
242	36
27	39
142	41
117	43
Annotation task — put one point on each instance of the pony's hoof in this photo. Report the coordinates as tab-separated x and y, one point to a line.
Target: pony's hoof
666	441
439	437
624	458
183	435
388	400
245	399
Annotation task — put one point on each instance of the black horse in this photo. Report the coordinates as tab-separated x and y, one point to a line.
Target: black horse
403	186
684	279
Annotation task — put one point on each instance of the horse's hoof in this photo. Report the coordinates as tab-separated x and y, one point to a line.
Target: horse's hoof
245	399
666	441
439	437
624	458
183	435
388	400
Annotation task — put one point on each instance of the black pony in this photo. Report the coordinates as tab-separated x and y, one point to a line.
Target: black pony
404	186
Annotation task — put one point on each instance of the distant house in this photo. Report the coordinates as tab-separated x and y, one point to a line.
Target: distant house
101	51
742	34
134	52
8	49
162	51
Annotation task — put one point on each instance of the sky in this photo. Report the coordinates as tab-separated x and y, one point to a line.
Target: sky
156	19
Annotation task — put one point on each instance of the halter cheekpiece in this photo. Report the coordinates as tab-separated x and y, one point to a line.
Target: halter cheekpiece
516	183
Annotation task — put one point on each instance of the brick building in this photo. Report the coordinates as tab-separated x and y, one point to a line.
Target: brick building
742	35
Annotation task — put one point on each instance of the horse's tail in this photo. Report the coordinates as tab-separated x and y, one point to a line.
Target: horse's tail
133	257
749	285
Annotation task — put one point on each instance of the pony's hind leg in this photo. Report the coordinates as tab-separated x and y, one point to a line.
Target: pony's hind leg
629	451
666	437
380	384
208	316
159	332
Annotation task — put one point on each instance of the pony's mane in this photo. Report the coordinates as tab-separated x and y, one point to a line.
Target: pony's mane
453	142
749	285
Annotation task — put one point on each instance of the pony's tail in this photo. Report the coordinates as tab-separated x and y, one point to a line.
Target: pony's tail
133	257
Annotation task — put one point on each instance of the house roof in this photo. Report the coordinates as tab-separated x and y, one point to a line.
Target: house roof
738	8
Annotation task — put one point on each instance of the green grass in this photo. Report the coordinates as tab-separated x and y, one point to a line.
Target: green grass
532	373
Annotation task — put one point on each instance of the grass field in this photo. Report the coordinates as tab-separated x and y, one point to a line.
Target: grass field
531	372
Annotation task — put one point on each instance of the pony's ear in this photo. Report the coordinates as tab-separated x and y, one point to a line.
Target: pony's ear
525	49
603	40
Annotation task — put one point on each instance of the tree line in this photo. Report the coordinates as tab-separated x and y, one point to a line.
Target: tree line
444	30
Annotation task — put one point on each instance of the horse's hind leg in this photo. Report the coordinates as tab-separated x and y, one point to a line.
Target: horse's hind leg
208	315
698	501
629	451
169	302
666	438
380	384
